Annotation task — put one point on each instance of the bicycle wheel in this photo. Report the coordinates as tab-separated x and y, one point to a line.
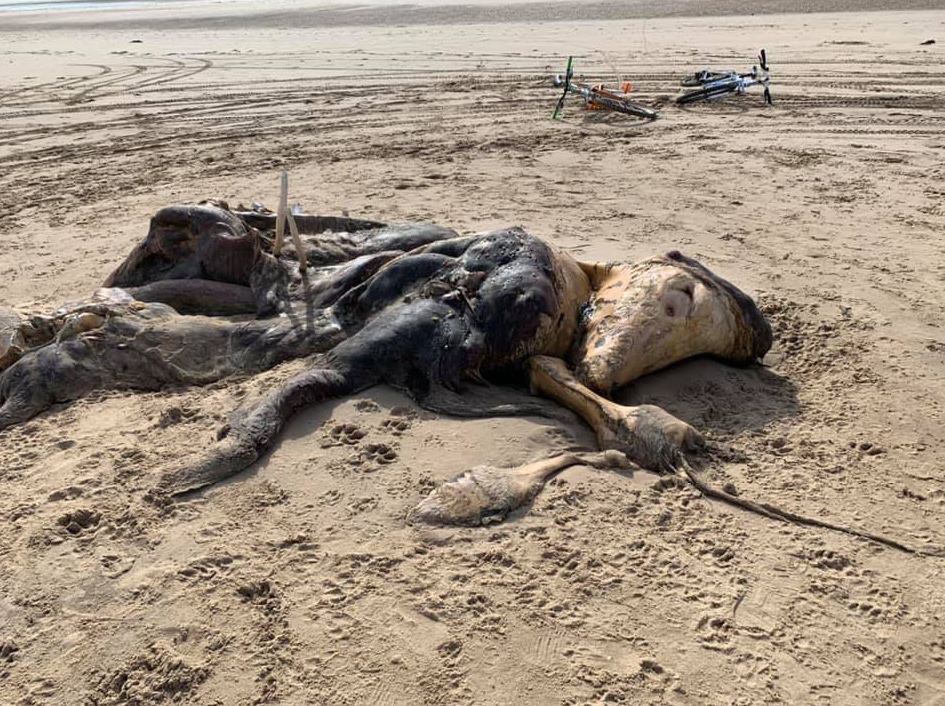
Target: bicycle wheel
704	94
620	105
702	77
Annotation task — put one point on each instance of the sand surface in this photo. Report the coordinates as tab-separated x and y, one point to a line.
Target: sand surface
299	581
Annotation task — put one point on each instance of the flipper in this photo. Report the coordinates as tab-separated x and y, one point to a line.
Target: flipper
485	494
254	430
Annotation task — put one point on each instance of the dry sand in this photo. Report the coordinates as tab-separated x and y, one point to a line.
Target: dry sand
299	582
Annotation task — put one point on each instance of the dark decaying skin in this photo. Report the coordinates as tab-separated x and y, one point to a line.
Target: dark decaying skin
415	306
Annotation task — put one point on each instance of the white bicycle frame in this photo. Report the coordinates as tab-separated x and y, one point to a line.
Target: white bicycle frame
739	83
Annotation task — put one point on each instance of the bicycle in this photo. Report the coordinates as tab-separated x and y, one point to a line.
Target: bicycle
597	97
718	84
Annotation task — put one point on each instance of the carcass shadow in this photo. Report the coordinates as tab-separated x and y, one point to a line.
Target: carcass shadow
715	397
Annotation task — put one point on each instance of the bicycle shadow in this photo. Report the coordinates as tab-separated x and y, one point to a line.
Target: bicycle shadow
608	118
729	105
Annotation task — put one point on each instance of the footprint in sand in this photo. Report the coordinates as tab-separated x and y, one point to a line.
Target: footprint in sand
396	425
8	651
826	559
344	435
372	454
79	521
68	493
204	568
256	591
715	633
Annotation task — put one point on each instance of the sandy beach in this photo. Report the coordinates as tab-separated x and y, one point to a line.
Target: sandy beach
299	581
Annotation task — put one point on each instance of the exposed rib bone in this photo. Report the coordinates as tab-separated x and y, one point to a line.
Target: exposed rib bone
297	239
284	214
281	213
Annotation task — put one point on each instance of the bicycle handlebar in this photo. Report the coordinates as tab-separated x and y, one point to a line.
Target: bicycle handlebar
564	81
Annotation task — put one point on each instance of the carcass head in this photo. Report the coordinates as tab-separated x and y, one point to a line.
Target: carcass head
648	315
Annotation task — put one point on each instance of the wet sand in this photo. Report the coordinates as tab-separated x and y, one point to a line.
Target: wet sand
299	582
318	14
